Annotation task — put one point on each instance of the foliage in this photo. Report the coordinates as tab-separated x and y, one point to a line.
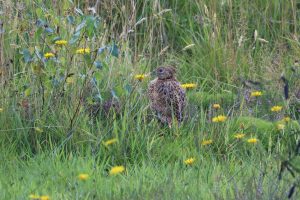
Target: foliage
74	76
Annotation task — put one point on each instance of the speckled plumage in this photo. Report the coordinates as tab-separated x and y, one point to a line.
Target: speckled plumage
167	97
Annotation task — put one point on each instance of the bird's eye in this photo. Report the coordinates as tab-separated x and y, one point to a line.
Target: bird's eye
160	70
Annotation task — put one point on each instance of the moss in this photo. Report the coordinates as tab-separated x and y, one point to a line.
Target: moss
268	132
254	124
206	99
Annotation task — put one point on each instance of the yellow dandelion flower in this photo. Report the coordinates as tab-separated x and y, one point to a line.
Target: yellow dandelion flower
37	129
61	42
206	142
116	170
216	106
83	51
70	80
280	126
220	118
189	161
239	135
111	141
83	177
286	119
27	92
256	94
140	77
276	108
189	85
1	110
252	140
44	197
49	55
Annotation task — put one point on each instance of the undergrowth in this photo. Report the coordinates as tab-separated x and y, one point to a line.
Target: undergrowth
74	78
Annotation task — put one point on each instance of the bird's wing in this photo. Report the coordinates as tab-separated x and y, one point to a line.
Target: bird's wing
155	101
181	101
175	97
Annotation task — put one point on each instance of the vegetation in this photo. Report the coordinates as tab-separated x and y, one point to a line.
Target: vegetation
74	116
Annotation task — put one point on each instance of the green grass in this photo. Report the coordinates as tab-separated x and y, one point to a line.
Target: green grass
56	175
48	136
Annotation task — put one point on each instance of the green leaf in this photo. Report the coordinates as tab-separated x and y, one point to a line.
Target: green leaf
75	38
128	88
26	55
98	64
39	13
97	76
90	25
80	26
37	34
119	91
114	50
71	19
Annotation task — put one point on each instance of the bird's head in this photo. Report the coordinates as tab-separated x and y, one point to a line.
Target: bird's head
165	72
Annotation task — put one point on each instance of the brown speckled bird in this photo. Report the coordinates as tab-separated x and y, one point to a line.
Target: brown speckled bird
167	97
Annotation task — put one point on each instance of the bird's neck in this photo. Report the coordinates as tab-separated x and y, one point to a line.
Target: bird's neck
167	79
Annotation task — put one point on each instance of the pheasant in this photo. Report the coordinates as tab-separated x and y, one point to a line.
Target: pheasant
167	97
